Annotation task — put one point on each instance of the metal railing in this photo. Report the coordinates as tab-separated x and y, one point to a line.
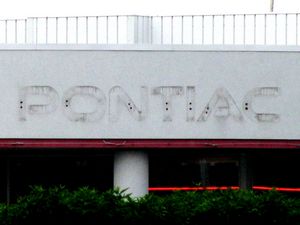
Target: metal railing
227	29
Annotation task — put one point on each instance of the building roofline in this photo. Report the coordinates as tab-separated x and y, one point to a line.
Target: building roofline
150	47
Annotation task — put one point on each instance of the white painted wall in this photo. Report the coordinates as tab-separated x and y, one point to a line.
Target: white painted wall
199	76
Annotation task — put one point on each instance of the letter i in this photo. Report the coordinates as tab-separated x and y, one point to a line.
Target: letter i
190	103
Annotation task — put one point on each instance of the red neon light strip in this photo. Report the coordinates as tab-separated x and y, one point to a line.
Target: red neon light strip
261	188
190	188
258	188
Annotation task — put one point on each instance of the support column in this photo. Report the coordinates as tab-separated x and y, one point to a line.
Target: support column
245	173
7	181
204	173
131	172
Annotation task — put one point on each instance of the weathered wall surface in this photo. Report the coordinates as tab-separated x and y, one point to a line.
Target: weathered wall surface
149	94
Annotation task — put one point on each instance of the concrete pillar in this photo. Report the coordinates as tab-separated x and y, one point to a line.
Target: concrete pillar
245	172
131	172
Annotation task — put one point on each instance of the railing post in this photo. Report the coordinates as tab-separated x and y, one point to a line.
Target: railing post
31	31
155	29
139	30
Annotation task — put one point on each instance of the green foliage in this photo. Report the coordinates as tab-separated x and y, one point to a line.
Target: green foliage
238	207
3	214
40	205
58	205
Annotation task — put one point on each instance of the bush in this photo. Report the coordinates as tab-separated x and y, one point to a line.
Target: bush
3	214
58	205
40	205
243	207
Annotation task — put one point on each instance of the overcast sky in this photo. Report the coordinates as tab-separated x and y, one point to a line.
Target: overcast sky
27	8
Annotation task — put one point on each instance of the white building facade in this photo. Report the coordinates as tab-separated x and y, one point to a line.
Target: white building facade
167	91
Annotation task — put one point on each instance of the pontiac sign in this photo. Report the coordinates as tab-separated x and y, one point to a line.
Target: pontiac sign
221	103
149	94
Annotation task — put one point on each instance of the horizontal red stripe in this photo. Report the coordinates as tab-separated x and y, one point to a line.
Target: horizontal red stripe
260	188
276	188
189	188
148	143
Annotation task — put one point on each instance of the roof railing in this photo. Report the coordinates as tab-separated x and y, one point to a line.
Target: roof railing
221	29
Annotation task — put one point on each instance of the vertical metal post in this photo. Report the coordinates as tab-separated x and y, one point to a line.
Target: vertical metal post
203	30
172	24
223	29
244	29
137	27
182	30
265	30
275	29
56	30
151	30
233	29
254	32
5	31
25	30
107	30
192	29
117	27
76	29
272	5
36	30
46	30
297	29
286	29
143	29
16	31
213	30
67	30
87	29
161	30
97	29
